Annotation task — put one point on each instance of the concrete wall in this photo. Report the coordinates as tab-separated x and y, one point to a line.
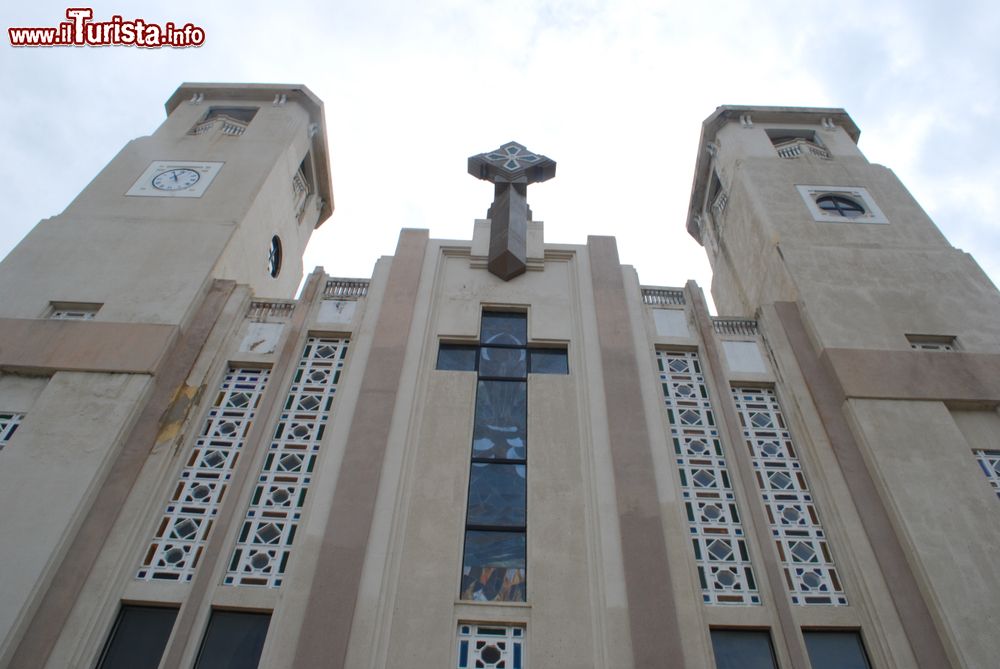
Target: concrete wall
51	471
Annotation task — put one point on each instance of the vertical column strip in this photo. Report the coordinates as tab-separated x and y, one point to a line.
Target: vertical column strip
333	599
653	624
203	584
789	633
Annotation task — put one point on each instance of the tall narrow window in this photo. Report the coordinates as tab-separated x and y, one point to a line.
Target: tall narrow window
176	548
720	545
835	649
265	540
743	649
810	573
494	566
138	638
233	639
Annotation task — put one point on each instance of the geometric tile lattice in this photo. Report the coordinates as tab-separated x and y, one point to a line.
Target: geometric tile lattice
805	555
8	425
990	462
265	539
720	545
176	548
490	646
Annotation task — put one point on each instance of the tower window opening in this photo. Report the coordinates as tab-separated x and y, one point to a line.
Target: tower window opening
840	206
274	257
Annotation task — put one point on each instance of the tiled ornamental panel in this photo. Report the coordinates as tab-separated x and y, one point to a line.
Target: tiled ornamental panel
268	530
488	646
717	536
802	545
8	426
176	548
990	462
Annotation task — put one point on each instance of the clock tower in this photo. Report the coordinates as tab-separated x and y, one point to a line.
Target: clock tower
108	305
240	168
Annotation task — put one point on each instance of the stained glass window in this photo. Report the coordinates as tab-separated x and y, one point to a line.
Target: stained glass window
457	358
494	562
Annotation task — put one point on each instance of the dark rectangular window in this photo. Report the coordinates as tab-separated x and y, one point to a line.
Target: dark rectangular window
138	638
743	649
504	329
457	357
494	561
493	566
241	114
548	361
233	640
503	363
836	649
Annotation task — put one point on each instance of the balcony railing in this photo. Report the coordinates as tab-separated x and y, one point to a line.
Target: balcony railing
227	126
661	296
794	148
345	289
265	310
744	327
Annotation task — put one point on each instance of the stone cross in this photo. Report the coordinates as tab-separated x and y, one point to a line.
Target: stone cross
511	168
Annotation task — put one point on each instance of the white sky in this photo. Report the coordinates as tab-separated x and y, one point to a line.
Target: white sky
615	92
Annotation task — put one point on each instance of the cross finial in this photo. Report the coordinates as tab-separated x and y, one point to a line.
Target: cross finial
511	168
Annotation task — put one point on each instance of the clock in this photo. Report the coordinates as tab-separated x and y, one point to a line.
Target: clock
175	178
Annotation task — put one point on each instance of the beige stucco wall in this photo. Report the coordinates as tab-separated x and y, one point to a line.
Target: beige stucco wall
50	473
945	513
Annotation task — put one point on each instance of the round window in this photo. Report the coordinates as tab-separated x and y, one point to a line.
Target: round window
274	257
838	205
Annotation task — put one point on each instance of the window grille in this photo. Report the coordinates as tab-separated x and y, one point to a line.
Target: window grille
717	536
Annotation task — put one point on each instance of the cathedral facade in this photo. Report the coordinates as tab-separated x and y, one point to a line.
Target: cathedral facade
501	451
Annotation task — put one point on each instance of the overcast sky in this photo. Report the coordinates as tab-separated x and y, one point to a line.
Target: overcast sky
615	92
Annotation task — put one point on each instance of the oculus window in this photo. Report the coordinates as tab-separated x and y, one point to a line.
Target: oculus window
841	204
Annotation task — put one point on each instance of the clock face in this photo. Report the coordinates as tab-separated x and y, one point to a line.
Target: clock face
175	179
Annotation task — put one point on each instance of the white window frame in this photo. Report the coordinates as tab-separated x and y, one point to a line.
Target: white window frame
812	193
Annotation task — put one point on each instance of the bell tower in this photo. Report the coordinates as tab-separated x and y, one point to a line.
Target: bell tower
108	304
887	332
789	209
241	168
